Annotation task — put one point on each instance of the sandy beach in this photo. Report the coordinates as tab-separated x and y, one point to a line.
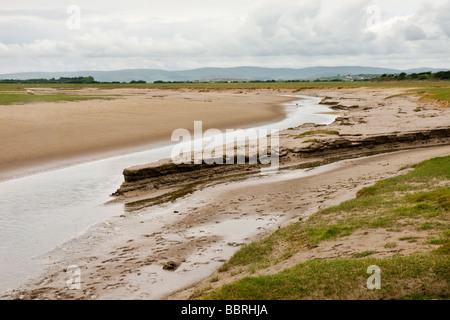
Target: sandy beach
48	135
130	256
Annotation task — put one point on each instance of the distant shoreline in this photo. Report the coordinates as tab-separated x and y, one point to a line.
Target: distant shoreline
211	73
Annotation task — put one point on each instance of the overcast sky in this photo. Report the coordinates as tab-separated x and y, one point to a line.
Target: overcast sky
60	35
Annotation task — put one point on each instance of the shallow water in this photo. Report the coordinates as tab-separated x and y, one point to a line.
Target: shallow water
41	211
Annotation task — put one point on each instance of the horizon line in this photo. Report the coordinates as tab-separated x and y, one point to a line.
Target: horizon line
224	68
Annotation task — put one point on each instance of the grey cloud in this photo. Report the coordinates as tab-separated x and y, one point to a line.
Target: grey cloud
340	32
443	18
309	30
413	33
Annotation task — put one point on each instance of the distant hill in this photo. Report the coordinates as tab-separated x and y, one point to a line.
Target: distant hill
243	73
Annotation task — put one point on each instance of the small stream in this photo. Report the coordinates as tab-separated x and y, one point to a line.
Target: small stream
41	211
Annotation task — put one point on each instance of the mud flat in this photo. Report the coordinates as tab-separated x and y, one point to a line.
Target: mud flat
175	235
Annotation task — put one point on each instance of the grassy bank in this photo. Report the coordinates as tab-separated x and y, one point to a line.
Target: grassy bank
417	202
415	277
441	95
20	98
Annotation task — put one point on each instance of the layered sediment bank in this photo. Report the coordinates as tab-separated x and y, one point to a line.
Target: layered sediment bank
366	123
144	179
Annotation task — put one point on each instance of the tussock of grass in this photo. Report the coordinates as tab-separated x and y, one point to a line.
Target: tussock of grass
390	245
444	249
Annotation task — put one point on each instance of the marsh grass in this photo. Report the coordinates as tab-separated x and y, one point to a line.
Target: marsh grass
20	98
441	95
346	279
434	90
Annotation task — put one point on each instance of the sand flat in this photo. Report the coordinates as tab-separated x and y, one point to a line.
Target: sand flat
40	134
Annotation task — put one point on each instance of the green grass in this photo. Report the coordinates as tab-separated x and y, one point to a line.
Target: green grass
17	98
390	245
415	277
417	201
438	94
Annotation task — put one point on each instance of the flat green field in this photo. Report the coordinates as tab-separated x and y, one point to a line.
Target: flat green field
20	98
15	93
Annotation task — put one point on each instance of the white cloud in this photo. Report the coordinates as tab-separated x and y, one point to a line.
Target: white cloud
5	51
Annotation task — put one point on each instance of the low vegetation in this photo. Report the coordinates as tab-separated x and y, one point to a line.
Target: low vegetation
441	95
23	98
15	92
423	276
417	202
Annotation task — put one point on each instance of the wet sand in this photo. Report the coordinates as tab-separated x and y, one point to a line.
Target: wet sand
47	135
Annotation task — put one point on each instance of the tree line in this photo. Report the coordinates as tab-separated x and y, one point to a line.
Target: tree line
441	75
70	80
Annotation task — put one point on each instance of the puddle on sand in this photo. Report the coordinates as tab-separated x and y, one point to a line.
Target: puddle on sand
152	282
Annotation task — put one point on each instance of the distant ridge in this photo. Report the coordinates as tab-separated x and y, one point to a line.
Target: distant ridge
202	74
